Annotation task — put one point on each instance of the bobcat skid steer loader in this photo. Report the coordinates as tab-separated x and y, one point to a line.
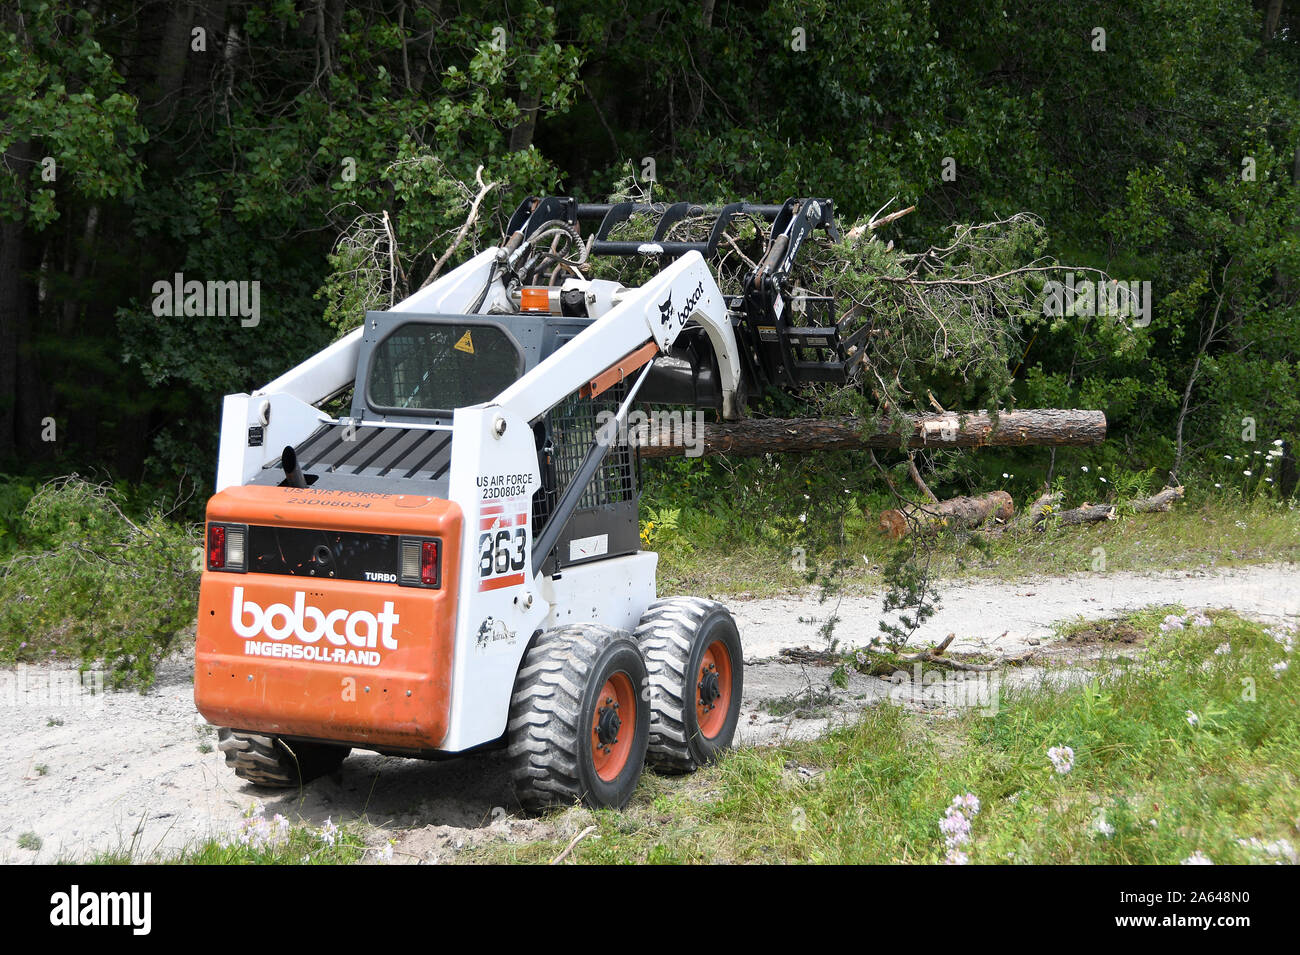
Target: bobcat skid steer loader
455	562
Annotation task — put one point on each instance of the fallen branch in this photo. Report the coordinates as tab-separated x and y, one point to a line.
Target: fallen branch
569	848
809	656
470	219
1042	427
859	230
936	655
915	475
928	657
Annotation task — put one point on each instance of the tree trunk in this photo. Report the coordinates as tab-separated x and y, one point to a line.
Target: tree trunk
1038	427
1272	16
955	512
15	314
521	136
1090	513
11	311
1087	514
1159	502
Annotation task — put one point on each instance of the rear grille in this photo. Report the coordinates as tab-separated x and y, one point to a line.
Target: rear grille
374	451
331	555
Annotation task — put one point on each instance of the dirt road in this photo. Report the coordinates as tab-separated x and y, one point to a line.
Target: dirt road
109	771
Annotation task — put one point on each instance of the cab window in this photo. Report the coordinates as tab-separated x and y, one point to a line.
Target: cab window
440	367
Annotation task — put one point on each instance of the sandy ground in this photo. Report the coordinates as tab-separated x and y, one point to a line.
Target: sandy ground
90	772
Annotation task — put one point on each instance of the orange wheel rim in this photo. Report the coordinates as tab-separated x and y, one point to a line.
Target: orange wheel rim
613	725
713	689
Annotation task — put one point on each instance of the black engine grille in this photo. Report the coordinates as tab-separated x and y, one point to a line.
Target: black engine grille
332	555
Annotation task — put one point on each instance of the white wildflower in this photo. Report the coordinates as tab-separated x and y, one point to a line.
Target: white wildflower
1062	758
329	832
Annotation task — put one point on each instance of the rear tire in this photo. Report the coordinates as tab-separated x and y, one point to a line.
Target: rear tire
697	674
578	725
275	763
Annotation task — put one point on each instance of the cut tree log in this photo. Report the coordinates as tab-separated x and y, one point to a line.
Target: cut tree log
1040	427
1087	514
1090	513
1159	502
1040	507
1031	518
955	512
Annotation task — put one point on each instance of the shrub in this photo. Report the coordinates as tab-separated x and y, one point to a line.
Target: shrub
91	582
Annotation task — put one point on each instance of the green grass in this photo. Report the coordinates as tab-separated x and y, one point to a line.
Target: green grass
723	555
260	842
1166	788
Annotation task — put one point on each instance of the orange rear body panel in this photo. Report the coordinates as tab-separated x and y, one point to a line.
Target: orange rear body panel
342	660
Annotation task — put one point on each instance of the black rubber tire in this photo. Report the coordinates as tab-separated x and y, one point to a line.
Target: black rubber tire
674	634
551	723
274	763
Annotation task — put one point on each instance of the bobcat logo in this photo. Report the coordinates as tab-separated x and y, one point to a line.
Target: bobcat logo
666	311
492	631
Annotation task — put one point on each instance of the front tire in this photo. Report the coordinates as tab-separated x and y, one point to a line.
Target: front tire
578	726
275	763
697	674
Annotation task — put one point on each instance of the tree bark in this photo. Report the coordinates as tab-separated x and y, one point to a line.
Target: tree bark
521	136
955	512
1087	514
1159	502
1090	513
1038	427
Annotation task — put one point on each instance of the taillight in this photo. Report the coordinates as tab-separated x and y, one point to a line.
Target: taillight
216	547
429	563
421	562
226	547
